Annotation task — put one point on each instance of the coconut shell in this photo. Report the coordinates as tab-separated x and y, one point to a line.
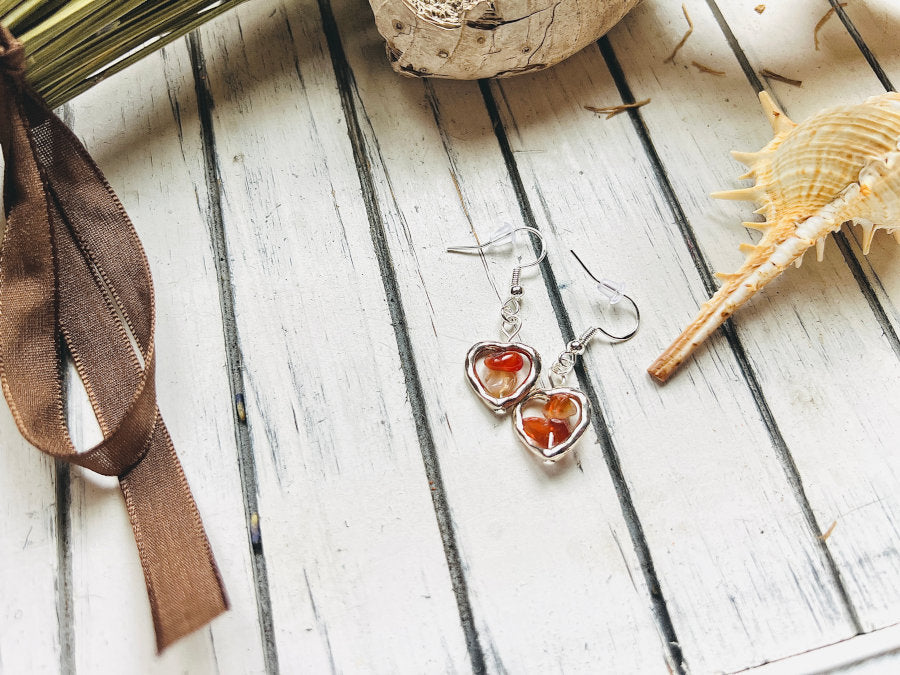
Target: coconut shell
471	39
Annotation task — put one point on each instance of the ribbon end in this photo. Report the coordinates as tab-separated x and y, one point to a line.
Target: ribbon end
168	635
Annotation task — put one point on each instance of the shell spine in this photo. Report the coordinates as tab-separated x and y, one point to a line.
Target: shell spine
840	165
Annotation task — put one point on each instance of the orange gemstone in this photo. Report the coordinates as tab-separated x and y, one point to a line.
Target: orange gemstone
508	361
546	433
560	407
498	383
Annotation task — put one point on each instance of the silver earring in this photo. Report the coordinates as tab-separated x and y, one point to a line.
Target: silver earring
550	421
502	373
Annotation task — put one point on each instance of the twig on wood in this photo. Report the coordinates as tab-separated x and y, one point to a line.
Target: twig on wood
706	69
822	22
690	30
765	72
613	110
828	532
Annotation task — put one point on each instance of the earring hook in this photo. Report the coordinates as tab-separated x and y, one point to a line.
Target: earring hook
500	235
509	311
614	292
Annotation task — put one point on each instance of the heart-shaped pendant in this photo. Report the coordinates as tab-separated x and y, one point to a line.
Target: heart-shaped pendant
502	373
550	421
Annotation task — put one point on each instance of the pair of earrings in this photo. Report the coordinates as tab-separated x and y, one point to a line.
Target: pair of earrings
549	418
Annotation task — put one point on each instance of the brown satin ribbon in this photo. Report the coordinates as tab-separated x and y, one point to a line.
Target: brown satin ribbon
73	272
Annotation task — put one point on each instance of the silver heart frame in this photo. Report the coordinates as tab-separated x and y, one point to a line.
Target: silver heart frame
558	451
482	350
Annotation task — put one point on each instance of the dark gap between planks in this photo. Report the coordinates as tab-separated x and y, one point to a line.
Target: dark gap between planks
704	269
65	611
62	478
672	647
353	113
863	47
243	442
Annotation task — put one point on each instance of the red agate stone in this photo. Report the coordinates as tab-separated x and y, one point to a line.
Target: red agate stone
546	433
508	361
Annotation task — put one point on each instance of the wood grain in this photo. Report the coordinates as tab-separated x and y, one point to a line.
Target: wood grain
356	565
875	652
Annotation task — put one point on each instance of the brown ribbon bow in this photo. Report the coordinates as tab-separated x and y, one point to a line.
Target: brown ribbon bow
73	272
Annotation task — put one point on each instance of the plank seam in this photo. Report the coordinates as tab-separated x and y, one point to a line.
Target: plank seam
234	357
672	647
346	88
839	656
64	582
861	44
728	328
868	291
62	474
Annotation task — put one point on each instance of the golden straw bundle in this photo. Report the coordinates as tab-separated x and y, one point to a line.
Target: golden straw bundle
73	44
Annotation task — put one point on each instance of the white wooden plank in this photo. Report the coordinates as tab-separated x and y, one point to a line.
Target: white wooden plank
358	576
839	413
757	585
527	619
28	559
29	570
554	583
142	128
875	652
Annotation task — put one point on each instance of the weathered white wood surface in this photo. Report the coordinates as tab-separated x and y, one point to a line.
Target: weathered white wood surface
807	381
755	580
507	509
295	197
356	569
869	653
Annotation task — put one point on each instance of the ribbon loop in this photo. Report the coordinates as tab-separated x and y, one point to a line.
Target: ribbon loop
73	272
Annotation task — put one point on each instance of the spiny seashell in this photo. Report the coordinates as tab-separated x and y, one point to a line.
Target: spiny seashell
840	165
